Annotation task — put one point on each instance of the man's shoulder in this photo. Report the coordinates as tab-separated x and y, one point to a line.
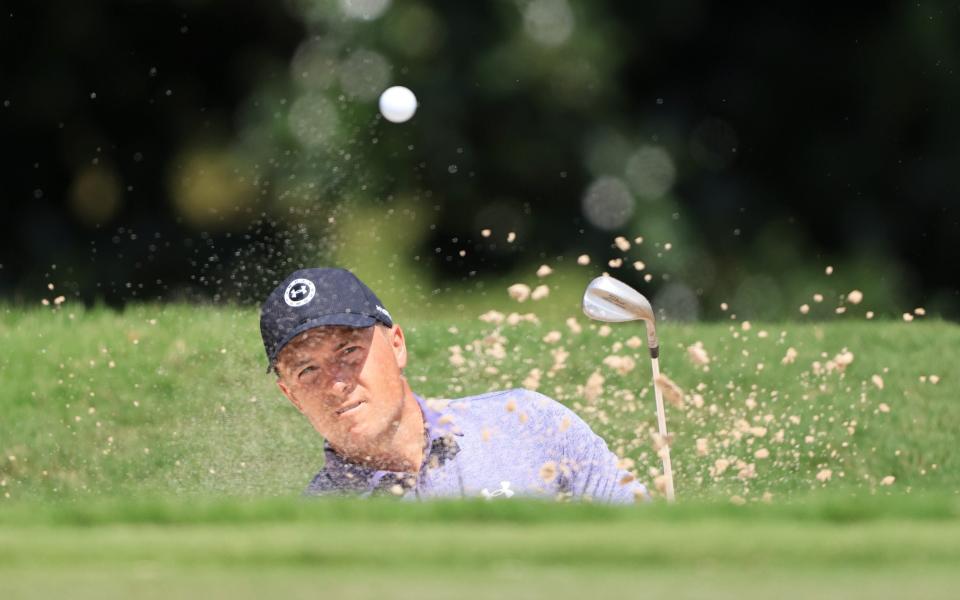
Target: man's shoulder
520	405
510	398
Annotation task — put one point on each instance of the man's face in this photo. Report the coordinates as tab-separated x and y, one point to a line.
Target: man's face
347	382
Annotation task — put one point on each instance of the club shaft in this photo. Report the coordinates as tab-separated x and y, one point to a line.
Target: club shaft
662	423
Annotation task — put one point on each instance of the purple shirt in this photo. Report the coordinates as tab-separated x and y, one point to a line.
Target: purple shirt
496	445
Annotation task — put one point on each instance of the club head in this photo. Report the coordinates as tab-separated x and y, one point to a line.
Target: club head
612	301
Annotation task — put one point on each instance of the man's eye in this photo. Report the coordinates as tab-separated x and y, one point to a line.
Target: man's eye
307	370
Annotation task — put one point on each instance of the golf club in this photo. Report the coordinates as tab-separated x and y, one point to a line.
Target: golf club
610	300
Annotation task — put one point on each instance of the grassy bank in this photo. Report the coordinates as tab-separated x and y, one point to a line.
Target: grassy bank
173	400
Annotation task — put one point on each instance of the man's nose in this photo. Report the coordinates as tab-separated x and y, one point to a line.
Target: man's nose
341	388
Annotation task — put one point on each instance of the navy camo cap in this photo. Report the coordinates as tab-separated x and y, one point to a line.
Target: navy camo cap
311	298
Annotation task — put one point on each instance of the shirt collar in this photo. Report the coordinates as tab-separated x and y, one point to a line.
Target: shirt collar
439	443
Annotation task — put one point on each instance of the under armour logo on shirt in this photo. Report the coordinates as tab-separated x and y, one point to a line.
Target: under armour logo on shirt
503	491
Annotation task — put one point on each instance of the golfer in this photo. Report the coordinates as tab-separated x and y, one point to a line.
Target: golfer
339	358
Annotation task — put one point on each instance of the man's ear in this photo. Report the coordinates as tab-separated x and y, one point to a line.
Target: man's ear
286	392
399	346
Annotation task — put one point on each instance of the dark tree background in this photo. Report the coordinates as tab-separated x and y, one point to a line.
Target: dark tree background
798	135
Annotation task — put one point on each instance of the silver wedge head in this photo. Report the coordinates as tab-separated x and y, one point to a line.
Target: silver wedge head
612	301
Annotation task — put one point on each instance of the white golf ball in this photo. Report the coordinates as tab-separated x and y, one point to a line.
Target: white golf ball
397	104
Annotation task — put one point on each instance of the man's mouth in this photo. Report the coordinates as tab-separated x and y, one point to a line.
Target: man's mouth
349	407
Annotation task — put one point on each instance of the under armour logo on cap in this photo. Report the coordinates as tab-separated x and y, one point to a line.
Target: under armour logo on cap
299	292
311	298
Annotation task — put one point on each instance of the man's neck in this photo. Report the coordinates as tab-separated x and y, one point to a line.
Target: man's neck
402	448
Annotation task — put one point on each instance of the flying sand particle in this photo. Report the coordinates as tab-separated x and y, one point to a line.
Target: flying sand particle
660	482
620	364
594	387
548	471
790	357
703	447
492	316
671	391
698	354
519	292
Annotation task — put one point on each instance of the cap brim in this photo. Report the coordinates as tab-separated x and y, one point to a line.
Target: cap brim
345	319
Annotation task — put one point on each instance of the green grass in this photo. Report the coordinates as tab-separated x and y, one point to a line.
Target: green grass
475	549
173	400
146	452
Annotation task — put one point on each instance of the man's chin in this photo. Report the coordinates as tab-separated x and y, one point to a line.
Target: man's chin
359	439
